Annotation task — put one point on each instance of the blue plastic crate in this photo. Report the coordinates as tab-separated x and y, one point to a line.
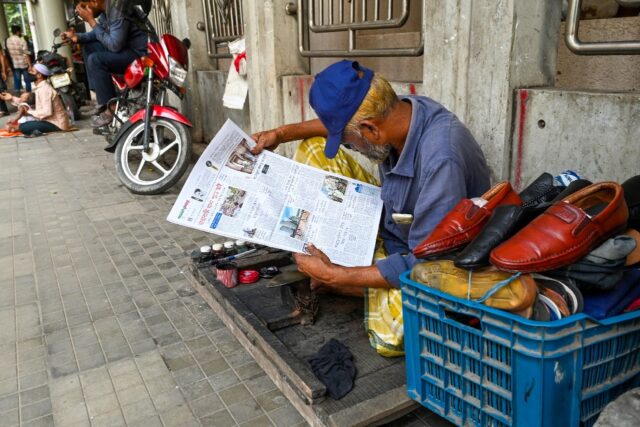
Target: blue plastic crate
508	371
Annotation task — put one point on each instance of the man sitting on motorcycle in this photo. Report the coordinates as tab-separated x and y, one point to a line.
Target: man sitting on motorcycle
49	114
112	44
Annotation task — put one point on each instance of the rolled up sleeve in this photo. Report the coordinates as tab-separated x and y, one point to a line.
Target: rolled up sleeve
444	186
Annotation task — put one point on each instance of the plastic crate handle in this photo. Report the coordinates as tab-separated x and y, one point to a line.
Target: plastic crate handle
460	315
468	314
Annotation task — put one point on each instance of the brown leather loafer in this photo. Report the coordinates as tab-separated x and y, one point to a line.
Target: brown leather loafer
565	232
465	221
516	296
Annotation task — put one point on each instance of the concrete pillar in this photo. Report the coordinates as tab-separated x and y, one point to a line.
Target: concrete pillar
32	24
48	16
272	52
185	16
4	31
477	52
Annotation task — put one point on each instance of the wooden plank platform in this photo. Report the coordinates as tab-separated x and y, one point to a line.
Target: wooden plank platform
379	394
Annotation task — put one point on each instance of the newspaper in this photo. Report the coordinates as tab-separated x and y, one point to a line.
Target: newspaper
274	201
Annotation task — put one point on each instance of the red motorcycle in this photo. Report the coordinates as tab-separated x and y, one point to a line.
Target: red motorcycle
151	140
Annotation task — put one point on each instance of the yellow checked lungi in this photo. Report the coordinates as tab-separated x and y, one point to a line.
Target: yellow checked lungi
383	307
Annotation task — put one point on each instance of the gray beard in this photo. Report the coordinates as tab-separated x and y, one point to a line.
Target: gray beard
375	153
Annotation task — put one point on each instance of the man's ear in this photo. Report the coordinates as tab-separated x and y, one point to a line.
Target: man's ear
370	129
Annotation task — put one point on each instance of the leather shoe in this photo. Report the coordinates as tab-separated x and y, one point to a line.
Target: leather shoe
565	232
507	220
517	295
632	196
465	221
539	191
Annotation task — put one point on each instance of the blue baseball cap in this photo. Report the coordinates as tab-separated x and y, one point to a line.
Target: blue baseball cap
336	95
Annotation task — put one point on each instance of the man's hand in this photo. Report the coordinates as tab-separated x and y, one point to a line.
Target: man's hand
316	265
6	96
24	110
266	140
85	12
69	36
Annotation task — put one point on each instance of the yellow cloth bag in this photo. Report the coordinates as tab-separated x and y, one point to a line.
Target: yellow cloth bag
383	307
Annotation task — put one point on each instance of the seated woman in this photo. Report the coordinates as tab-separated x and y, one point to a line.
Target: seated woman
50	114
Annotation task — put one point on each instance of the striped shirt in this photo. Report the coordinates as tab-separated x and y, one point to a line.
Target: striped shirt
18	51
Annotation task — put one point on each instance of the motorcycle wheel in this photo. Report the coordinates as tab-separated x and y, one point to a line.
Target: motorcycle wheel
162	165
71	106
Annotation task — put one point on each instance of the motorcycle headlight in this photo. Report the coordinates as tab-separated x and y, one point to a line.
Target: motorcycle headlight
177	74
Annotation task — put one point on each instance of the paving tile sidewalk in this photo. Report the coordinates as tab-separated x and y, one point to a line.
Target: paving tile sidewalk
100	325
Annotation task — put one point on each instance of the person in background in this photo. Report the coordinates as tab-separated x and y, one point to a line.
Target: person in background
50	114
4	64
30	48
19	55
112	44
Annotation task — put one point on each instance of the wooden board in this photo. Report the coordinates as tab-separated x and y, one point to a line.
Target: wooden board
379	393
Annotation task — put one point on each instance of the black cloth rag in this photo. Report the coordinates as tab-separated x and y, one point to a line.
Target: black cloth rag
334	367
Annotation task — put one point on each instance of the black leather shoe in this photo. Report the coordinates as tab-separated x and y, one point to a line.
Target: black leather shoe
506	220
540	191
631	189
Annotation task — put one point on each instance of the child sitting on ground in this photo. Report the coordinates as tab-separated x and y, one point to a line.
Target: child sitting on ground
26	99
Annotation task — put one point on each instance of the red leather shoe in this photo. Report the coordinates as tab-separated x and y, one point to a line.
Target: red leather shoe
463	223
565	232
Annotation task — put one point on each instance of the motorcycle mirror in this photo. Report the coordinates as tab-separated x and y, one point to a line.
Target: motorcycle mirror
140	13
187	43
57	32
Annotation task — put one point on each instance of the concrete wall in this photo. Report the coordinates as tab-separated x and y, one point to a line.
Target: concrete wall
608	73
595	134
399	69
478	52
185	15
210	86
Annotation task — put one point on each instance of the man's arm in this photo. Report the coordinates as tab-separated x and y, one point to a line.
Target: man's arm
114	38
84	38
270	139
318	266
5	65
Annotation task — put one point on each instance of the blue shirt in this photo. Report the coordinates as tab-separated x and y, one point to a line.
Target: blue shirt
116	33
440	164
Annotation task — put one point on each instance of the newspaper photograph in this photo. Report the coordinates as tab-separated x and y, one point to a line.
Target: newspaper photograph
271	200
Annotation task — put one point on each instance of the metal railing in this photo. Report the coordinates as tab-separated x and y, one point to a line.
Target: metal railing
161	17
593	48
223	22
352	17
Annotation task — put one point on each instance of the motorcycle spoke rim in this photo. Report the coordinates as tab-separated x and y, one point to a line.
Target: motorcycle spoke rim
169	147
157	168
140	167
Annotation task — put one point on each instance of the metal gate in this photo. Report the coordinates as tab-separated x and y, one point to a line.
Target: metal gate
161	16
223	22
352	17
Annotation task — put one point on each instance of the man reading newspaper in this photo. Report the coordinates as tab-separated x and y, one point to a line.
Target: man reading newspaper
428	161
